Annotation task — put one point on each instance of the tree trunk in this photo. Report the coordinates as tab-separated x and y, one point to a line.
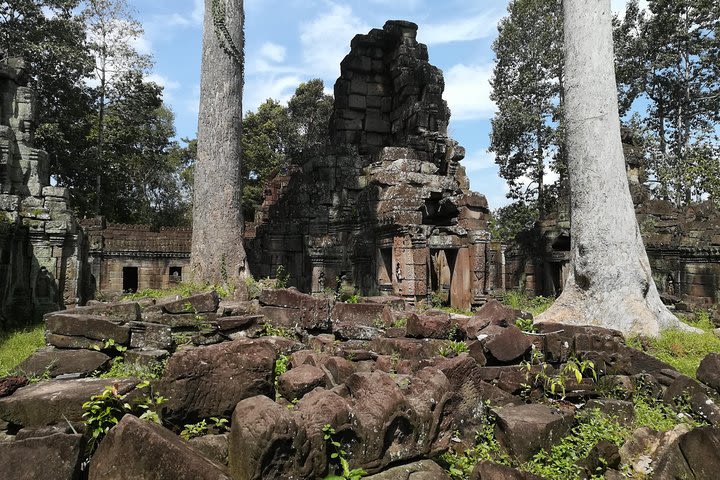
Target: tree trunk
610	283
218	255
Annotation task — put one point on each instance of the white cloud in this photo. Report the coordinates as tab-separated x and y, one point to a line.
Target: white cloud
198	13
326	39
260	88
479	161
273	52
168	85
467	92
463	29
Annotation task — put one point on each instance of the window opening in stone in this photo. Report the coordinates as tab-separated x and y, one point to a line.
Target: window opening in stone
175	274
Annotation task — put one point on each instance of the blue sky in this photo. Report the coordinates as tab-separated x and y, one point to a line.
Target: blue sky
291	41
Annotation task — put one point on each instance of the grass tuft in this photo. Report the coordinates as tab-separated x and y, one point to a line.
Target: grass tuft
17	345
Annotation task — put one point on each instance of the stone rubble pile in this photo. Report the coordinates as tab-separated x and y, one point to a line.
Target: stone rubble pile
373	371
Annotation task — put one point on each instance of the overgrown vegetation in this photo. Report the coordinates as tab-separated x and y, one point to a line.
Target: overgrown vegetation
216	426
104	411
681	349
267	329
17	345
121	369
183	289
452	347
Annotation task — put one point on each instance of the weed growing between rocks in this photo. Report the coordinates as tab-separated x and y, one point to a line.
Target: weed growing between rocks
452	348
338	456
522	301
269	330
216	426
104	411
121	369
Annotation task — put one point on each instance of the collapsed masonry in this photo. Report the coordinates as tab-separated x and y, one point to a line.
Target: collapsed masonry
388	208
40	244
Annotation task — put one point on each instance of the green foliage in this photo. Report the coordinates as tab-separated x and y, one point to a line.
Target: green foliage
681	349
217	426
281	277
667	60
526	325
183	289
561	462
281	366
104	411
508	221
399	322
554	383
267	329
120	369
452	347
526	83
522	301
354	298
17	345
339	457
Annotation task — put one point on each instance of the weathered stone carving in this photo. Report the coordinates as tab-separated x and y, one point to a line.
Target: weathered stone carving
40	245
388	207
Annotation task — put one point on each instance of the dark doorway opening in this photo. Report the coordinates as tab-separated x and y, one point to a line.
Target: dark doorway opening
130	279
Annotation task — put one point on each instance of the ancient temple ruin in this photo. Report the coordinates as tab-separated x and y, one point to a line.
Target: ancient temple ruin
131	258
683	244
388	209
41	246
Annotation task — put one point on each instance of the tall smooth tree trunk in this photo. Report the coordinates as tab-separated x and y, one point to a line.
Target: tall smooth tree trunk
610	283
218	255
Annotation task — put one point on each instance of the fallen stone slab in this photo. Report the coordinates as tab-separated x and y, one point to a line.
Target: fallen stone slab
209	381
509	345
54	362
709	371
56	401
289	307
8	385
200	303
150	336
525	429
73	343
368	314
141	449
89	326
265	442
429	326
298	381
422	470
55	456
146	358
213	447
123	311
226	324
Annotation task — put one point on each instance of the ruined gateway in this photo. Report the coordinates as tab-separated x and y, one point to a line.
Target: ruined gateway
388	208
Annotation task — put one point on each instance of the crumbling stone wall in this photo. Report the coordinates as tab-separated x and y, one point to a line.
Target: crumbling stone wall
388	209
41	248
135	257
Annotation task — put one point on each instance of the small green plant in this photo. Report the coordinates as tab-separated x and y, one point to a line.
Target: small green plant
217	425
109	345
281	277
452	347
339	457
104	410
354	298
525	324
554	384
267	329
400	322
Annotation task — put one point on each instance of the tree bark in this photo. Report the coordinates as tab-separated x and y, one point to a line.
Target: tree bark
218	255
610	284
